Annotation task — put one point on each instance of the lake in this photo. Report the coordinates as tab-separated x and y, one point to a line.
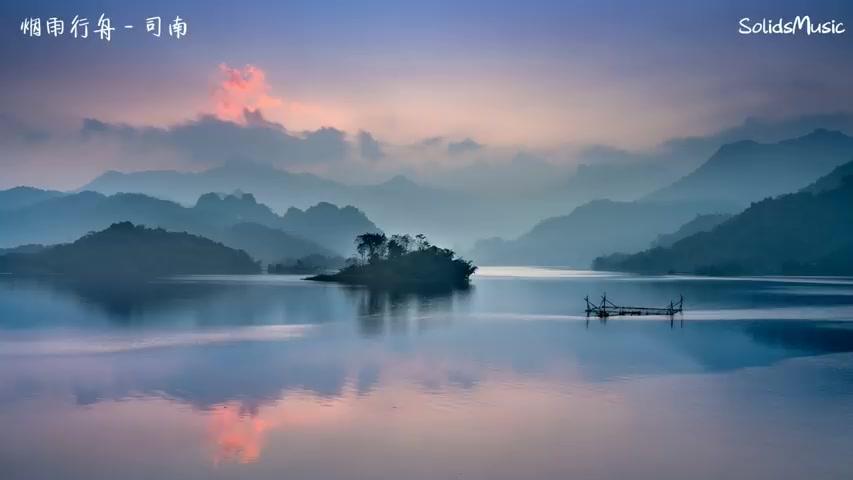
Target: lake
272	377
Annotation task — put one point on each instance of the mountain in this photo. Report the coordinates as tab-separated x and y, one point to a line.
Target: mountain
328	225
325	224
735	175
269	245
615	174
66	218
29	248
20	197
591	230
832	180
278	188
63	219
746	171
398	204
802	233
127	250
617	181
223	210
702	223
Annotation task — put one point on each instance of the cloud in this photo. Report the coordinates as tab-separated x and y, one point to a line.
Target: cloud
368	146
465	146
429	142
240	90
14	131
210	140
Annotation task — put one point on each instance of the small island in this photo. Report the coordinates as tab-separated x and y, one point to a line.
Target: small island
402	262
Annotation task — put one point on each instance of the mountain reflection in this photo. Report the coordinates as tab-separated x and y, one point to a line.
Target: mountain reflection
224	301
258	357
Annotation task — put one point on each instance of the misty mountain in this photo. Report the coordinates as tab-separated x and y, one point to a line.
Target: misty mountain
591	230
19	197
398	204
620	182
616	174
270	185
735	175
328	225
833	180
127	250
796	234
323	223
223	210
746	171
63	219
66	218
267	244
476	200
702	223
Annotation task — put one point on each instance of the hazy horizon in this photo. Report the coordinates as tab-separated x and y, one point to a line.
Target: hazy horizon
363	93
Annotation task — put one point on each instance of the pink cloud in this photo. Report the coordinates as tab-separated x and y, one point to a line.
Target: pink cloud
242	90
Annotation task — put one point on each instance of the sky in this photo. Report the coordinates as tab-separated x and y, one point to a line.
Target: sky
386	78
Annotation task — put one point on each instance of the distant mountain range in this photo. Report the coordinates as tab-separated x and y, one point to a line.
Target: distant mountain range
20	197
238	221
398	204
460	215
615	174
747	171
595	228
735	175
296	212
124	250
805	233
269	184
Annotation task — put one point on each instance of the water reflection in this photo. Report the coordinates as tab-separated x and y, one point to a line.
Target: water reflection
264	377
381	311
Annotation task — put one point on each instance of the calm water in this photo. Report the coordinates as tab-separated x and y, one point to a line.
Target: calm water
272	377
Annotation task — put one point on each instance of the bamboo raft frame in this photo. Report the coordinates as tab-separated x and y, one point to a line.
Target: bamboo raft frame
609	309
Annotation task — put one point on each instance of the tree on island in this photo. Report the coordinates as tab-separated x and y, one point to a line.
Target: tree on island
402	261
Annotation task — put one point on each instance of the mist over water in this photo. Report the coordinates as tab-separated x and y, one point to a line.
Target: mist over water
271	376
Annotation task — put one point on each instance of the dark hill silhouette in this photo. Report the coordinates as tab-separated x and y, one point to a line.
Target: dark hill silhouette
63	219
746	171
832	180
702	223
801	233
127	250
